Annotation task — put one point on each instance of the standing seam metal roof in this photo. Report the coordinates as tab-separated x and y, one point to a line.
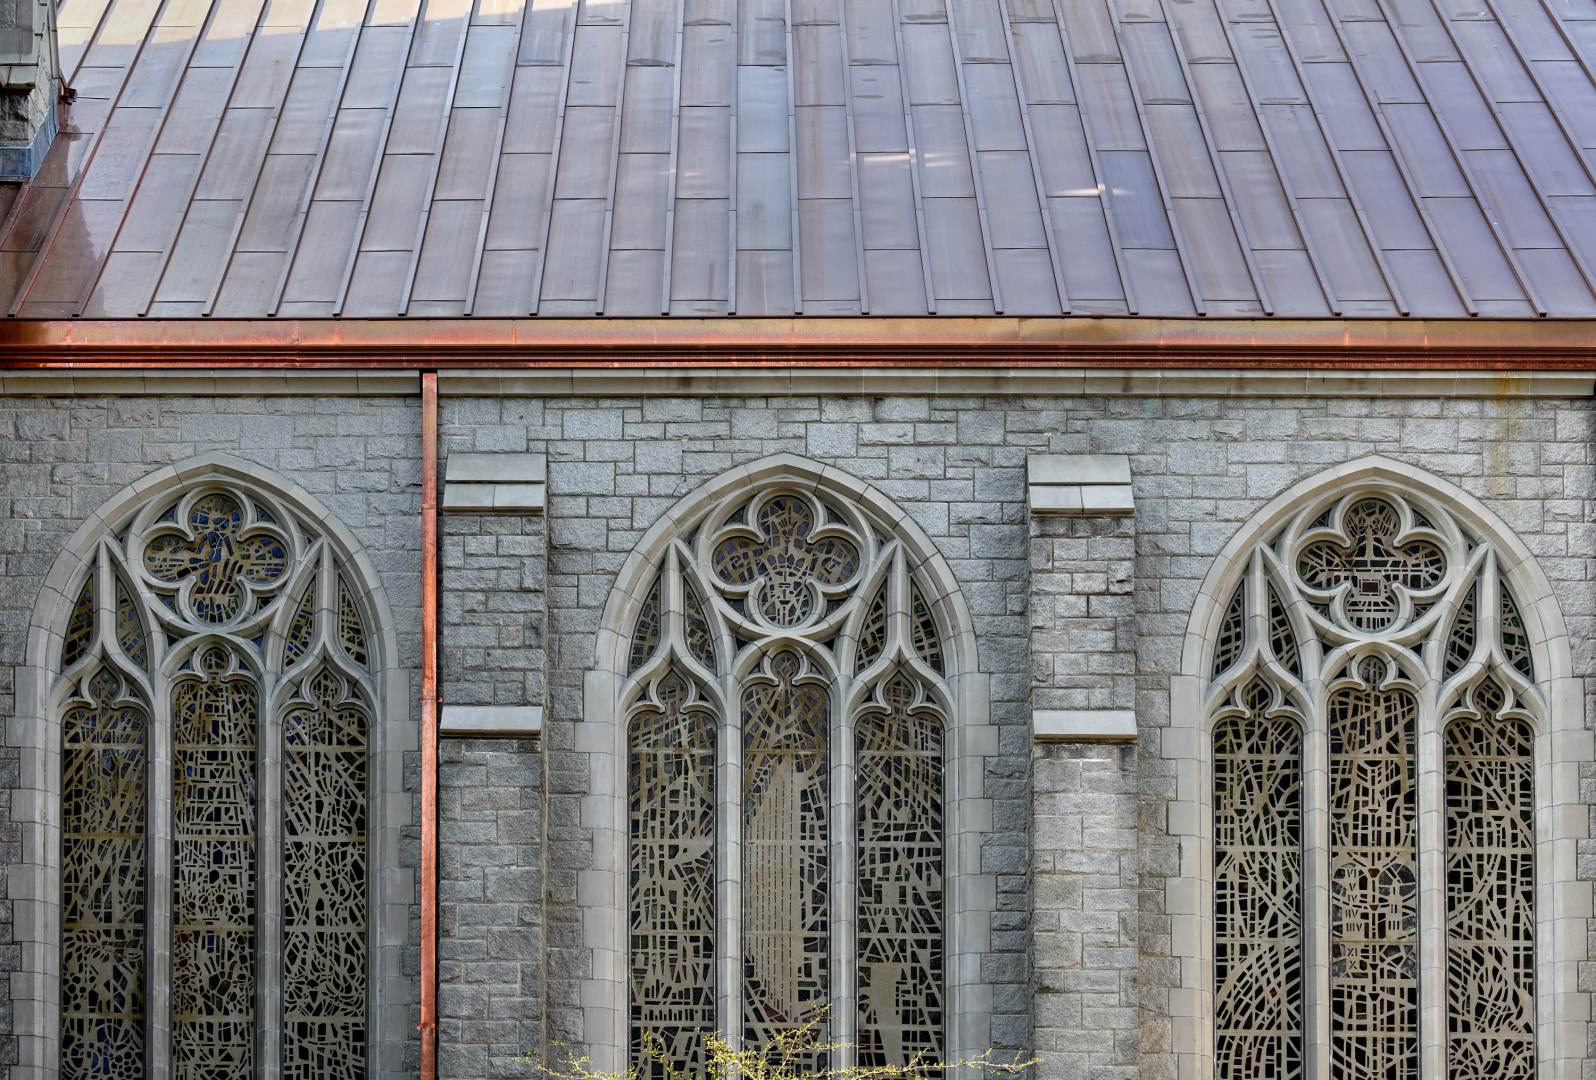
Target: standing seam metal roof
1303	158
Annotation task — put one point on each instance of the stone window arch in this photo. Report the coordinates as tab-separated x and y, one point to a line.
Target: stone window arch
792	674
1375	730
212	661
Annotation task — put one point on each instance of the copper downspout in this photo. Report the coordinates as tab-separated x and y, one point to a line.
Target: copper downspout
429	725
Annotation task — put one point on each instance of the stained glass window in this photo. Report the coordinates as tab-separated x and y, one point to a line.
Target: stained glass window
1490	888
786	840
782	563
1416	601
1374	880
324	879
215	730
1258	889
198	581
671	824
103	763
898	756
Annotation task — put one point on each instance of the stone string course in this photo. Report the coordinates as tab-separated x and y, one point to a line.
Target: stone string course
1202	466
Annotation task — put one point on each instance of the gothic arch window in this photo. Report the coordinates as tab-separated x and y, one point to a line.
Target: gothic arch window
786	706
1371	673
217	696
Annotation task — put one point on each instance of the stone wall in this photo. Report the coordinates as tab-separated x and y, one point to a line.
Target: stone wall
490	797
1084	934
1202	466
61	458
490	925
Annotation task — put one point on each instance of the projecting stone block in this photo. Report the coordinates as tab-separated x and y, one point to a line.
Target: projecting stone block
479	721
496	483
1084	725
1079	484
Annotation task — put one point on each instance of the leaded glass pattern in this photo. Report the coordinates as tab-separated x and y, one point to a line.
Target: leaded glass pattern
700	638
786	869
215	730
776	580
298	638
898	758
873	631
185	604
1490	887
671	877
646	633
1282	638
1374	880
1390	621
80	627
1232	633
927	641
324	879
1460	642
103	864
351	631
1515	640
1258	938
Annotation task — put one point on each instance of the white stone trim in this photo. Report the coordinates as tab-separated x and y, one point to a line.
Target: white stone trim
33	882
1079	484
602	890
778	381
1060	381
482	721
496	483
1084	725
1563	902
204	381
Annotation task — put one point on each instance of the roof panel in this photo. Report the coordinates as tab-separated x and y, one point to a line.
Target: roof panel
202	155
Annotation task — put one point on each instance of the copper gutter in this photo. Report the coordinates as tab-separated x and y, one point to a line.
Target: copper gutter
441	344
429	726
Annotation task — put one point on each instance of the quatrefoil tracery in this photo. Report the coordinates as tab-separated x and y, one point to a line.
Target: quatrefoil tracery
785	556
1371	563
216	552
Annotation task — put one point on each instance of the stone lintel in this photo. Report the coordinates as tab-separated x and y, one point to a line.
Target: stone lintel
482	721
1084	725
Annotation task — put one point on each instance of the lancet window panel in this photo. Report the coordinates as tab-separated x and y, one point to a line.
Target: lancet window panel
1371	618
1258	931
1490	883
671	877
203	601
786	866
804	608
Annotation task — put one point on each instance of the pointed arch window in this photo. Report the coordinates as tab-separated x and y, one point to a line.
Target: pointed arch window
216	698
1373	625
785	707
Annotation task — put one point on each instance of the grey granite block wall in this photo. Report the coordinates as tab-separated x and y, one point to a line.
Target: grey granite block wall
1202	466
490	925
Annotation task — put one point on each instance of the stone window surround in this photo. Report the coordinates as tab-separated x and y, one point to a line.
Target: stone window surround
33	882
1563	903
971	896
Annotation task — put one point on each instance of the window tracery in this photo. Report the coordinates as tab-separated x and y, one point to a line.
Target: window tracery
1367	620
776	615
233	611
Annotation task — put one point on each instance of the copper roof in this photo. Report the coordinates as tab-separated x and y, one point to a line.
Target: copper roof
1302	158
